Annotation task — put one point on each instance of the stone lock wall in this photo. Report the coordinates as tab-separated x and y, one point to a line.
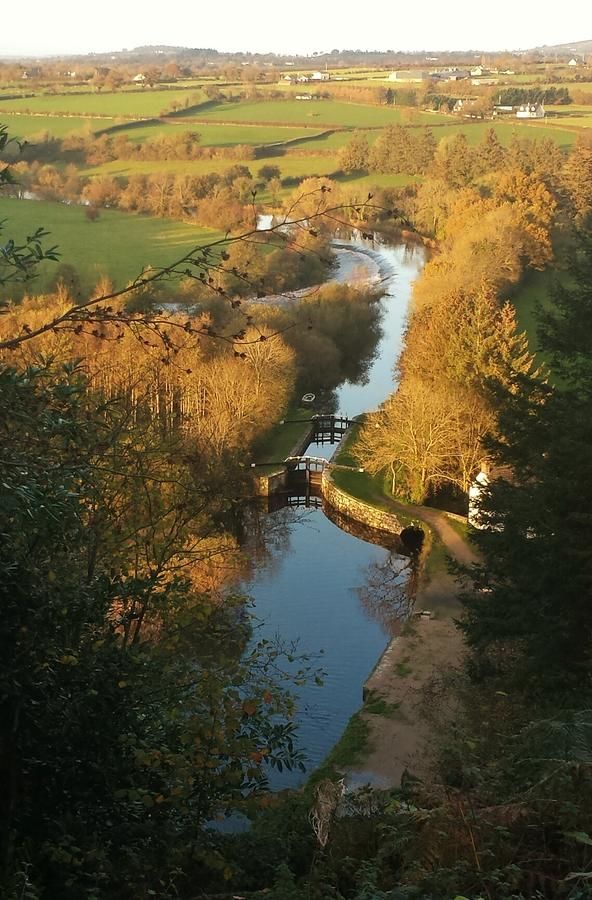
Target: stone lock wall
356	509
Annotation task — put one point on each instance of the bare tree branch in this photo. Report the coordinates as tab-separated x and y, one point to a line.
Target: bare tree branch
197	263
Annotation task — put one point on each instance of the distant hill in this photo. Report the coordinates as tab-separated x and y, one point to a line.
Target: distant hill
334	58
164	49
577	48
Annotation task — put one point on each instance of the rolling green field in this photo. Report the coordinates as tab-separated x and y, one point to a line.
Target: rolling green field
22	126
321	112
564	136
139	104
119	245
563	129
573	109
291	166
121	251
507	130
570	116
585	86
218	135
328	142
576	122
376	180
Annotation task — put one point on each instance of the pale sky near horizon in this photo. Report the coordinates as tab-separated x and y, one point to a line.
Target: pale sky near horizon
292	26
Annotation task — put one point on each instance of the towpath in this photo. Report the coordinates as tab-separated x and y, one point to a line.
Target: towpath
399	734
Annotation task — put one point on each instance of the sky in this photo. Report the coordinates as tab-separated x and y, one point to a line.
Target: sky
55	27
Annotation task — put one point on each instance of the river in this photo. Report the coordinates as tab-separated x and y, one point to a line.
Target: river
316	587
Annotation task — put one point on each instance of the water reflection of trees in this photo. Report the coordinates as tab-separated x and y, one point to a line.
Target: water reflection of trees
389	591
388	539
267	538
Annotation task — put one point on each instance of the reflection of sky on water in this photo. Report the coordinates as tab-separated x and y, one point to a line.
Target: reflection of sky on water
401	266
320	589
311	594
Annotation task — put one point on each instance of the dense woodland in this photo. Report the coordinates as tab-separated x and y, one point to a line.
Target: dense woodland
136	703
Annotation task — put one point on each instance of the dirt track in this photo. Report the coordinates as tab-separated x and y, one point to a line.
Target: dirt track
398	738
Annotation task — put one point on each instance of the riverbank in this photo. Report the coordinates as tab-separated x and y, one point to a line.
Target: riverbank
397	734
389	734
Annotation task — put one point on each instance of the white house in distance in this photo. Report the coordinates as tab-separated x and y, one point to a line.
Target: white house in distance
531	111
319	76
573	61
140	78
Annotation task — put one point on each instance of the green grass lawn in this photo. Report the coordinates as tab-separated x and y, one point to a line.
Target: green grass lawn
22	126
217	135
117	244
507	130
361	485
534	290
279	440
315	112
129	103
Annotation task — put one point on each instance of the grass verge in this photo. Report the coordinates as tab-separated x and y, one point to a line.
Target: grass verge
370	489
361	485
351	748
276	444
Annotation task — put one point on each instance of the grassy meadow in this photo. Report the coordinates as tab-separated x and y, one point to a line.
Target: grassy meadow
117	244
132	104
27	127
217	135
291	165
506	130
322	112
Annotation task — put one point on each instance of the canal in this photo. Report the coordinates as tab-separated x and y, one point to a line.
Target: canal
317	588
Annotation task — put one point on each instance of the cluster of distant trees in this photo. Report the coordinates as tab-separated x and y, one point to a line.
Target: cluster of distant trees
179	146
221	201
515	96
416	152
397	149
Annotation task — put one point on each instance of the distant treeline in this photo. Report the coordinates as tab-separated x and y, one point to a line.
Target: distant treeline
220	201
553	96
98	149
416	152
